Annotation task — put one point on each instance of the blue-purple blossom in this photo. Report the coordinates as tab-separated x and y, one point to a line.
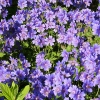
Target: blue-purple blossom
25	64
87	86
97	80
66	98
67	3
49	15
75	93
13	61
96	29
20	74
61	38
23	34
87	2
22	3
65	55
39	40
45	91
53	1
18	18
57	89
49	41
46	65
48	27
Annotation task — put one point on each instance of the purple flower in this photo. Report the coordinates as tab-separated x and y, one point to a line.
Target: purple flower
0	9
3	3
67	3
78	16
69	39
61	29
89	64
31	1
62	16
58	79
75	93
4	74
20	18
49	15
40	58
75	41
9	42
39	40
88	16
80	95
35	74
96	29
64	91
50	24
45	91
20	74
87	86
7	76
87	2
57	89
96	99
40	28
97	80
66	98
65	55
86	76
28	96
4	13
67	82
13	61
53	1
59	66
72	31
96	49
3	25
25	64
23	34
75	53
49	80
61	38
21	57
46	65
49	41
22	3
73	90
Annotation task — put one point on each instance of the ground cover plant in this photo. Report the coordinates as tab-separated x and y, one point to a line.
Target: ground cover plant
49	50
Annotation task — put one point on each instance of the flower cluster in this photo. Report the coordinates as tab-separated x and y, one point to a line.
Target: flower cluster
3	5
53	45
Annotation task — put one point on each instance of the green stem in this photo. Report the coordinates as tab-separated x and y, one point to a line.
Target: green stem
97	92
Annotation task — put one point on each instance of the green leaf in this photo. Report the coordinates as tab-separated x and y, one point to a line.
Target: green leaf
1	36
59	97
54	54
58	54
64	8
14	89
52	98
2	54
6	92
53	58
25	44
1	95
23	93
69	48
80	68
